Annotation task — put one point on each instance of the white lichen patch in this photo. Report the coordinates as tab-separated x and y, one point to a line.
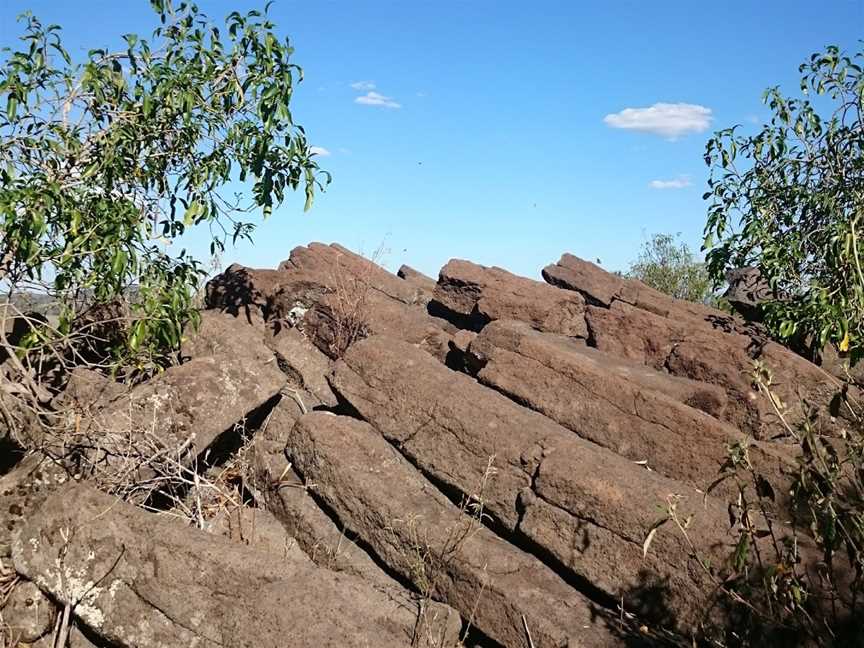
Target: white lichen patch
74	587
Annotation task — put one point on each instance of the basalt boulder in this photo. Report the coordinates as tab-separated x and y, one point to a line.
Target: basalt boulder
474	295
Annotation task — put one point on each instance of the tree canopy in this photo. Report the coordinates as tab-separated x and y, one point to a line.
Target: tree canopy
671	267
105	161
789	200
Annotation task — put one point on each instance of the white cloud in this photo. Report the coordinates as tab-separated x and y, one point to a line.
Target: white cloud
667	119
375	99
675	183
363	85
319	151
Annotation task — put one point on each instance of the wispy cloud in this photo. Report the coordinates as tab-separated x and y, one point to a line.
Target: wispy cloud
675	183
375	99
319	150
363	85
667	119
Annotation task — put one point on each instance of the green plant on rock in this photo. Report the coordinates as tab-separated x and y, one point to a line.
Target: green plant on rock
670	267
789	200
107	161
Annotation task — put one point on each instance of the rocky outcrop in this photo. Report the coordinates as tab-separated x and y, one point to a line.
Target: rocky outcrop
601	288
645	416
335	297
478	295
180	413
582	504
446	552
286	496
387	460
144	581
425	285
721	358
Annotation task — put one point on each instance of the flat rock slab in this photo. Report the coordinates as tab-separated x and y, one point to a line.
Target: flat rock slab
450	427
443	550
603	288
479	295
425	285
143	581
636	412
328	291
186	407
725	359
286	496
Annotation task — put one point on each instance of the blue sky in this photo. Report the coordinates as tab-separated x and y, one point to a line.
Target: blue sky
497	129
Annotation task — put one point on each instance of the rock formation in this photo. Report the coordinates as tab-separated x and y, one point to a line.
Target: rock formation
389	460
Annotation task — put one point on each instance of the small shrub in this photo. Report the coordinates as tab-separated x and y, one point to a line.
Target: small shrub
670	267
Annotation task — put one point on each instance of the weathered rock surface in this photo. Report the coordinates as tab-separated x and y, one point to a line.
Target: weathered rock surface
747	291
425	285
480	295
87	391
721	358
603	288
182	410
337	266
258	528
241	290
21	490
145	581
434	544
286	495
219	333
335	297
643	415
28	613
582	504
307	367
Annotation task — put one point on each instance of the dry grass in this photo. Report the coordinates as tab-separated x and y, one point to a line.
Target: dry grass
348	304
430	563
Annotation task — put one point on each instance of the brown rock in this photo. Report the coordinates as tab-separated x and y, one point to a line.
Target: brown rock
431	542
185	409
221	333
285	494
307	367
604	288
722	359
450	427
335	297
337	266
254	527
28	613
336	322
141	580
425	285
22	489
243	290
632	410
480	295
88	390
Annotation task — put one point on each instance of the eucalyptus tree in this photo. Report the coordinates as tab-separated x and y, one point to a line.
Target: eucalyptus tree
789	200
107	160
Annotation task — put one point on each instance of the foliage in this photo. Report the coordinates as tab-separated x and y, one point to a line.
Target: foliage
790	201
671	268
796	575
106	162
